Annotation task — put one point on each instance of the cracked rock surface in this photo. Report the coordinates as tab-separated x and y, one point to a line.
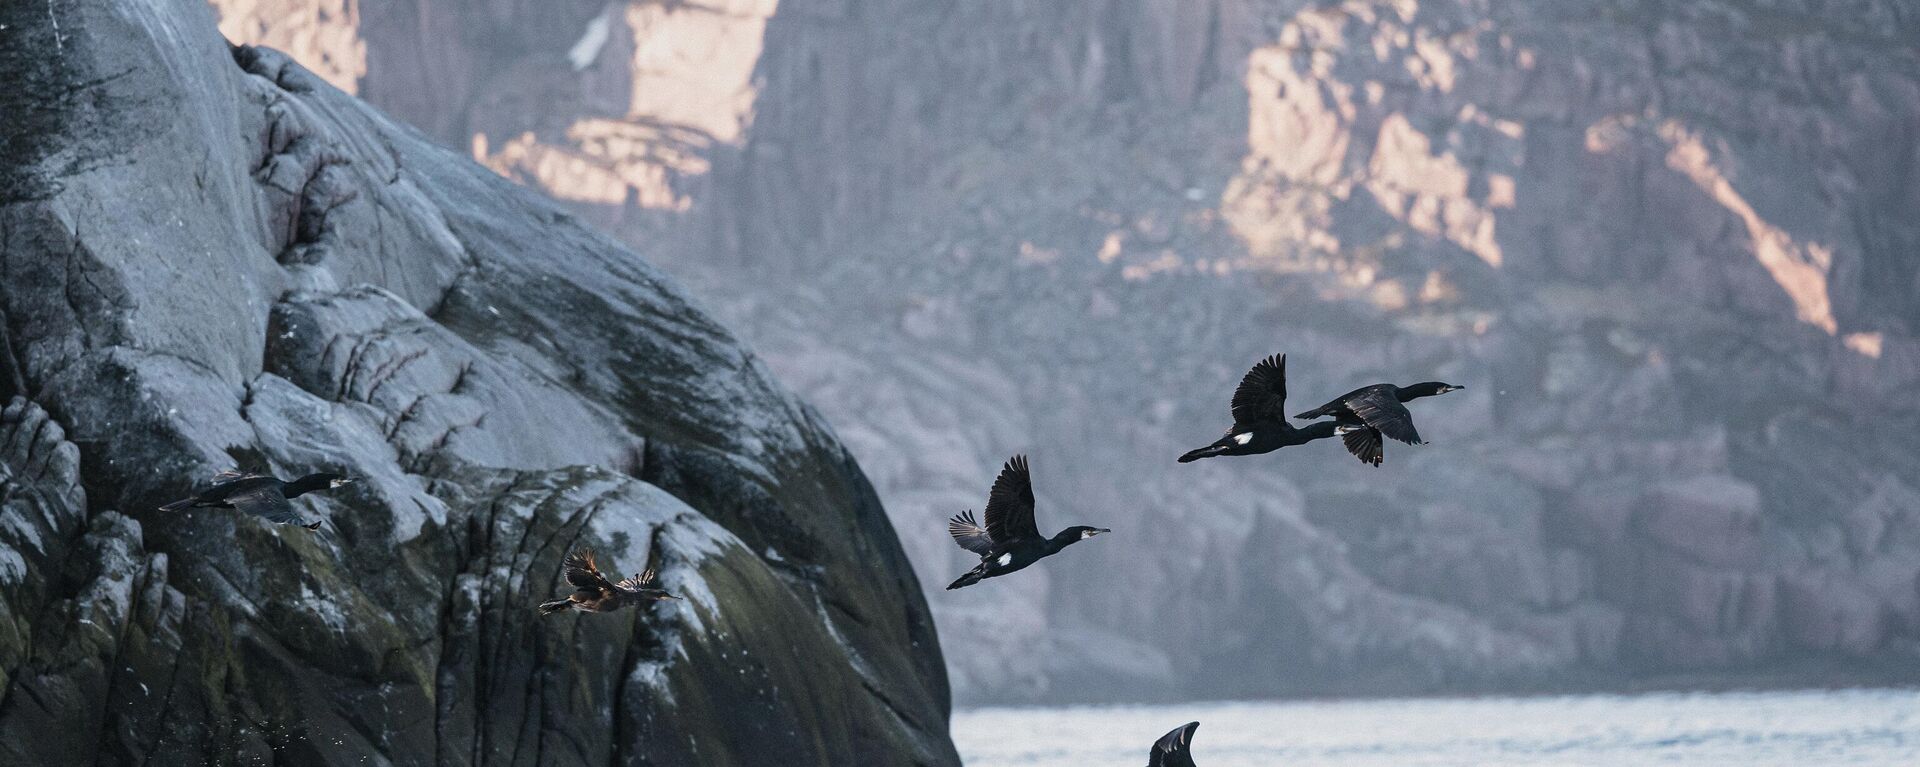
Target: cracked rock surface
210	258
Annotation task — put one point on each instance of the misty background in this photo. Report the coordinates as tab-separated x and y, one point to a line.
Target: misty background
1670	248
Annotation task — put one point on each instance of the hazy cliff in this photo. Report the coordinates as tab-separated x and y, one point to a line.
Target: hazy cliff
212	258
1667	246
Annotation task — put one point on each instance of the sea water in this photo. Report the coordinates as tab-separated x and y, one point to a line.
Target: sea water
1867	727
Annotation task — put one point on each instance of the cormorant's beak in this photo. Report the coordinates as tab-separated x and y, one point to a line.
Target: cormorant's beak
1097	531
339	483
670	596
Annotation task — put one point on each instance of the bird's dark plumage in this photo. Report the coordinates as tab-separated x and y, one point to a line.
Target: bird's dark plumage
1262	393
1259	416
1364	443
1380	408
261	495
1010	540
593	593
1370	412
583	572
1172	748
1010	503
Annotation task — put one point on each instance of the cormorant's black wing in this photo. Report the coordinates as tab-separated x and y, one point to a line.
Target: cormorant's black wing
582	572
1262	394
265	501
1171	750
234	482
1364	443
1010	505
969	534
1381	410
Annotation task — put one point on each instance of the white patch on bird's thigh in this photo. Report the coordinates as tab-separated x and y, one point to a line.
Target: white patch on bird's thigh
1241	439
1004	559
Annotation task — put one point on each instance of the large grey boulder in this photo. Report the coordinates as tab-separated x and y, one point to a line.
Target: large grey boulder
212	258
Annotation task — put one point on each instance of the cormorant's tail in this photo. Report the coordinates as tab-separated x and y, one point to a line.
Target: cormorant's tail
180	505
972	577
1205	452
555	606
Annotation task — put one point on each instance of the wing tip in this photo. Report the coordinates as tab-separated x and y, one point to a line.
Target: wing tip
1015	469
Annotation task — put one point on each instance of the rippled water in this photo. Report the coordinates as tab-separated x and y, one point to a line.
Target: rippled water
1877	727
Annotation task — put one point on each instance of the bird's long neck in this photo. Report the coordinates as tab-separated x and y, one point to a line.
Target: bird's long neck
1416	391
1063	539
1318	430
306	484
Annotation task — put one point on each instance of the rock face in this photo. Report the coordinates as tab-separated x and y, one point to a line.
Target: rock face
208	258
1667	246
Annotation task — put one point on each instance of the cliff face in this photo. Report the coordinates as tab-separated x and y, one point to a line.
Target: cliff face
1668	247
212	258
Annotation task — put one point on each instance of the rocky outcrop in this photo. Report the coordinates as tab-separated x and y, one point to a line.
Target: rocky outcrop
1667	246
209	258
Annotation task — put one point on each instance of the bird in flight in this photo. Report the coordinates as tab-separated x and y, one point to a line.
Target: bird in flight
593	593
261	495
1259	416
1011	540
1171	749
1366	413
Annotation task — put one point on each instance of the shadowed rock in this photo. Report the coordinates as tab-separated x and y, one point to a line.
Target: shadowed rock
212	258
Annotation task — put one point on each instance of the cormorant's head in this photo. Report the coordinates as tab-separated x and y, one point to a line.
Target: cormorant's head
335	481
661	595
1082	532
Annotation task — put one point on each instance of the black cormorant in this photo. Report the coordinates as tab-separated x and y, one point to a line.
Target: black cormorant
1259	416
1011	540
260	495
593	593
1370	411
1171	749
